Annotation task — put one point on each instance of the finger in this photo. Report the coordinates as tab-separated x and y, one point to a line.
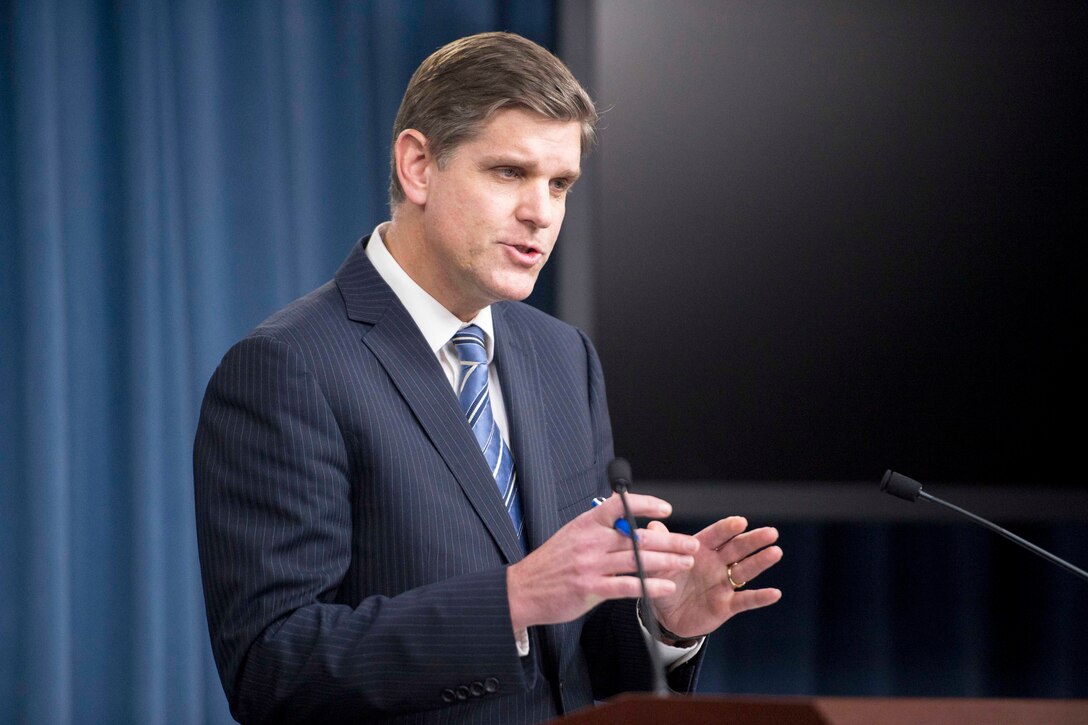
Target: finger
649	538
751	567
655	563
657	526
754	599
639	503
664	564
594	538
744	545
627	587
721	532
658	538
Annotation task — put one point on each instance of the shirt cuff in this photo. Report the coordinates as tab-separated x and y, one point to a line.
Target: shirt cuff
521	639
671	656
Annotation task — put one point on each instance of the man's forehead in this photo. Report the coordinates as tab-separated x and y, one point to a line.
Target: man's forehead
529	137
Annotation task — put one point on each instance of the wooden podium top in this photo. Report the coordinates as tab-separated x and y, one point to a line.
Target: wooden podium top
642	709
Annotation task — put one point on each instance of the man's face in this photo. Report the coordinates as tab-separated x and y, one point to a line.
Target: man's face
493	212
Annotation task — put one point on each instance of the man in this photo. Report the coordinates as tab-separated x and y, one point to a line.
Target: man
395	474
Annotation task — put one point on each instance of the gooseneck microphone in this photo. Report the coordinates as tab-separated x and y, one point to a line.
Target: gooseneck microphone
910	490
619	477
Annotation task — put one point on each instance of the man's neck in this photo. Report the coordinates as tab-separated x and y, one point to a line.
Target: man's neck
404	239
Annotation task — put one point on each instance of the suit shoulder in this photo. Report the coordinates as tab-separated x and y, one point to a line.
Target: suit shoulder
304	316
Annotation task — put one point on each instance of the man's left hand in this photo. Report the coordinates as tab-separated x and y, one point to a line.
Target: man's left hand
714	589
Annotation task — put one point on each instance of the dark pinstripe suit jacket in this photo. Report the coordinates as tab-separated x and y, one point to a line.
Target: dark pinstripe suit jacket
352	544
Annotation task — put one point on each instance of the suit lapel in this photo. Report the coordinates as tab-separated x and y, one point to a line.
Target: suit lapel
516	357
396	342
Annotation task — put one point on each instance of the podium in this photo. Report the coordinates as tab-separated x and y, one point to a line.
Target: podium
643	709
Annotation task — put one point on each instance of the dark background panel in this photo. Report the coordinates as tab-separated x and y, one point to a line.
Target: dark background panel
837	238
909	610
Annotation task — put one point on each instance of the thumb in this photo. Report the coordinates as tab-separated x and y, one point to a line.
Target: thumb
657	526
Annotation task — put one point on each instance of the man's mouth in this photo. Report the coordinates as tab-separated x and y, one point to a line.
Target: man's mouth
525	254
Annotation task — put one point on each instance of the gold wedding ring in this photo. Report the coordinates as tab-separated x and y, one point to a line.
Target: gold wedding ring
729	576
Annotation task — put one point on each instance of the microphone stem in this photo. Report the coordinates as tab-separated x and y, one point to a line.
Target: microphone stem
1010	536
660	686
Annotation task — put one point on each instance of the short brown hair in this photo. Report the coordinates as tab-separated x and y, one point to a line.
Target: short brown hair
460	86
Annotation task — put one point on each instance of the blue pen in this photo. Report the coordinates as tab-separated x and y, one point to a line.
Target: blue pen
621	523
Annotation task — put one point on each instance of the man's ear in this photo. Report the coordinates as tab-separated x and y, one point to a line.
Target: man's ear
414	163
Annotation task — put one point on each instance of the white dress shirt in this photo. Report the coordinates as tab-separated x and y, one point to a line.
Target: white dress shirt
438	326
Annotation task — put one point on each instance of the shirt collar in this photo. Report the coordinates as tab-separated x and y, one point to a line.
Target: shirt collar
436	323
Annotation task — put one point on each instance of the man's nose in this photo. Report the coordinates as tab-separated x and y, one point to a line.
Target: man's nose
538	206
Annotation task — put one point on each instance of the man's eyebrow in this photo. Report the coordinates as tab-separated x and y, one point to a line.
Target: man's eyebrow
507	159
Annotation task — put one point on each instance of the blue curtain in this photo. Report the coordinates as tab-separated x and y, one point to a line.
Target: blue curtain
170	173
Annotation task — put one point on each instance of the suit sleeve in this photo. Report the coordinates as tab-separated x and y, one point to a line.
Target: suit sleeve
612	640
274	508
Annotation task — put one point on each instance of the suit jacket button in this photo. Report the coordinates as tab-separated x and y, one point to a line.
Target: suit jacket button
448	695
462	693
491	685
477	689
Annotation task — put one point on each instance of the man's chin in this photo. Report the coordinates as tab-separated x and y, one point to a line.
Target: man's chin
516	290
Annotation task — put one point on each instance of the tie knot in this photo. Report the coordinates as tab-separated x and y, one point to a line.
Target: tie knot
469	342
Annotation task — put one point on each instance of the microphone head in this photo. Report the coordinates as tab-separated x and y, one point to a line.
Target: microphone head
619	474
899	485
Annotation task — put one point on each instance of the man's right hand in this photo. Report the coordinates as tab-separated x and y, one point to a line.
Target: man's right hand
588	561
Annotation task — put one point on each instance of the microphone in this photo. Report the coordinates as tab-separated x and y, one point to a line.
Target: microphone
910	490
619	475
619	478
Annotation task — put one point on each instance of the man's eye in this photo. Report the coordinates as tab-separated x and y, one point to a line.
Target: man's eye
561	185
508	172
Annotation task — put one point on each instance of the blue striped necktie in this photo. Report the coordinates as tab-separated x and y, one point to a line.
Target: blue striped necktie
476	404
